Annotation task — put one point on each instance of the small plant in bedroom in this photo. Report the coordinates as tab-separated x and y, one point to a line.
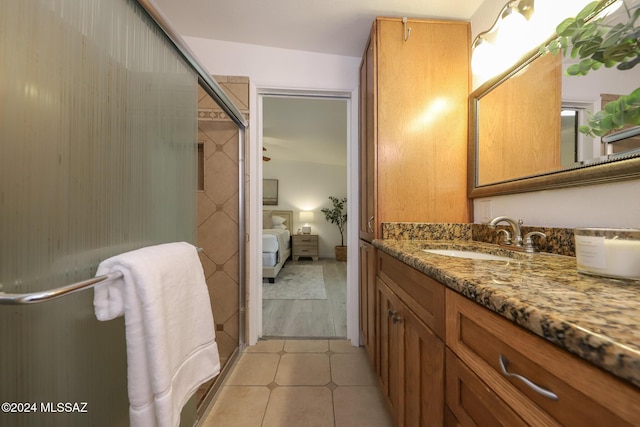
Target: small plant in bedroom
338	216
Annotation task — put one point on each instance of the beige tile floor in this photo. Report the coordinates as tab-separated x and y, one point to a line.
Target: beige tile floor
288	383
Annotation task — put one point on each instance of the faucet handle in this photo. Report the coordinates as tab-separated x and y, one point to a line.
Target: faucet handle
507	236
528	240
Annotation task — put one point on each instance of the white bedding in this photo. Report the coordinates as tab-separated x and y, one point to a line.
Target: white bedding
275	239
276	242
269	259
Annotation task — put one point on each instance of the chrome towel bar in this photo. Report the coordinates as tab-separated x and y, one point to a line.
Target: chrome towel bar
42	296
51	294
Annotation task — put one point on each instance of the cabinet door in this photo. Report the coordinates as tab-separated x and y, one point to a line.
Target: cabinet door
389	345
423	373
367	172
422	90
411	363
367	297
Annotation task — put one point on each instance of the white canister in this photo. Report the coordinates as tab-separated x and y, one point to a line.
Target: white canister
608	252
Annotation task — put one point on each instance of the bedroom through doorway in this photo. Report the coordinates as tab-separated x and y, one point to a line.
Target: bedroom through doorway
304	148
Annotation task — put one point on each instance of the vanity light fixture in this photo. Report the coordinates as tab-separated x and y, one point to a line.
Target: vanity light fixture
519	28
498	47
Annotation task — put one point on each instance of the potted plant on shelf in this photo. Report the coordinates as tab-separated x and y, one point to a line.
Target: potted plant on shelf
338	216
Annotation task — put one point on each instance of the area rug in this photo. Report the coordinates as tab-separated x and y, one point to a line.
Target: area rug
296	282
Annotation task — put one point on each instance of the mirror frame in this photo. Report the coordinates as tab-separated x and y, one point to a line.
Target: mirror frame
596	173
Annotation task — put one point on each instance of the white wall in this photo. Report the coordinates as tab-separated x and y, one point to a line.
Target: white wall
272	68
607	205
307	186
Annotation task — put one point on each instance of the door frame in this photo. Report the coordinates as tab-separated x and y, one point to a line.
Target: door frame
254	256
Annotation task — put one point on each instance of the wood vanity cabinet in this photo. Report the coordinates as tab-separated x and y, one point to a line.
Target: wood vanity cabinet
478	393
411	348
439	363
367	295
413	124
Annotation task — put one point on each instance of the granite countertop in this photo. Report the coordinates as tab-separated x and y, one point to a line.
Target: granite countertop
595	318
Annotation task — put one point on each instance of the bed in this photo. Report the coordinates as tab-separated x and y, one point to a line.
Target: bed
276	242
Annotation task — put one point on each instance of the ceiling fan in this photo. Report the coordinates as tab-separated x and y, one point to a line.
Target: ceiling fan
265	158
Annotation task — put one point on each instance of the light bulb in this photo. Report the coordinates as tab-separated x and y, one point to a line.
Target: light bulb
482	61
513	37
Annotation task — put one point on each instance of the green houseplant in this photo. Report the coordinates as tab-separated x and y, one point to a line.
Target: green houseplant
338	216
596	43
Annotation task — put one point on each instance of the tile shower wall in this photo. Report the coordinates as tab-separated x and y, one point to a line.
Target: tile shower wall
218	213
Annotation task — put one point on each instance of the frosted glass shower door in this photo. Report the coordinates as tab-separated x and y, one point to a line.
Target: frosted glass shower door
98	130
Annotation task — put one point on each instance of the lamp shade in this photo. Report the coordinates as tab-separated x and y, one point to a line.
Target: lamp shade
306	216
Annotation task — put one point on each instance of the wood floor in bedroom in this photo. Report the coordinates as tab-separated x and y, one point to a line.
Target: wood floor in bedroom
311	318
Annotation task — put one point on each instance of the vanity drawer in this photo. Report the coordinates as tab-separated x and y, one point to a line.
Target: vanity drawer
585	394
471	402
419	292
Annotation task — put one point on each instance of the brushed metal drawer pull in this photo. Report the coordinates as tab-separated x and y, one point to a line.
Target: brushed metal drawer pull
504	363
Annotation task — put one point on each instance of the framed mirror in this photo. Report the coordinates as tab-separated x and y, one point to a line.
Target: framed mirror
524	134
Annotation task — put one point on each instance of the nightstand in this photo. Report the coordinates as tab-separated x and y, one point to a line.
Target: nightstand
305	245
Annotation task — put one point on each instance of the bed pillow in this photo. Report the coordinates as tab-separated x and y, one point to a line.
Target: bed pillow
266	219
280	227
277	220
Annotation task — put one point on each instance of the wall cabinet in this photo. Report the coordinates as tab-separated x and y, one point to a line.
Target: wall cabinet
413	124
366	143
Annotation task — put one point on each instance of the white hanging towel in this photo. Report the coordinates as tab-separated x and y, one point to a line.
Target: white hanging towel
171	346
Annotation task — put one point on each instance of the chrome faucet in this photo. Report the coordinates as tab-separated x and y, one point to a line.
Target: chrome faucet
529	246
517	234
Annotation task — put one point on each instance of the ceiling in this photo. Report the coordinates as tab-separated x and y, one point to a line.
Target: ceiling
339	27
312	130
294	128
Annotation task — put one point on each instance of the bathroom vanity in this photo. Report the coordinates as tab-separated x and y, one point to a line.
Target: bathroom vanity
528	341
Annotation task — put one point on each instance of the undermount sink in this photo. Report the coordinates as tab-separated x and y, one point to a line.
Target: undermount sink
456	253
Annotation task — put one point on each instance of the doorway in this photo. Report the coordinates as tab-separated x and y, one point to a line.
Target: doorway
304	138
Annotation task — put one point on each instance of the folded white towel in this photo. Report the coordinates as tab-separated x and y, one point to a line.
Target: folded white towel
171	346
